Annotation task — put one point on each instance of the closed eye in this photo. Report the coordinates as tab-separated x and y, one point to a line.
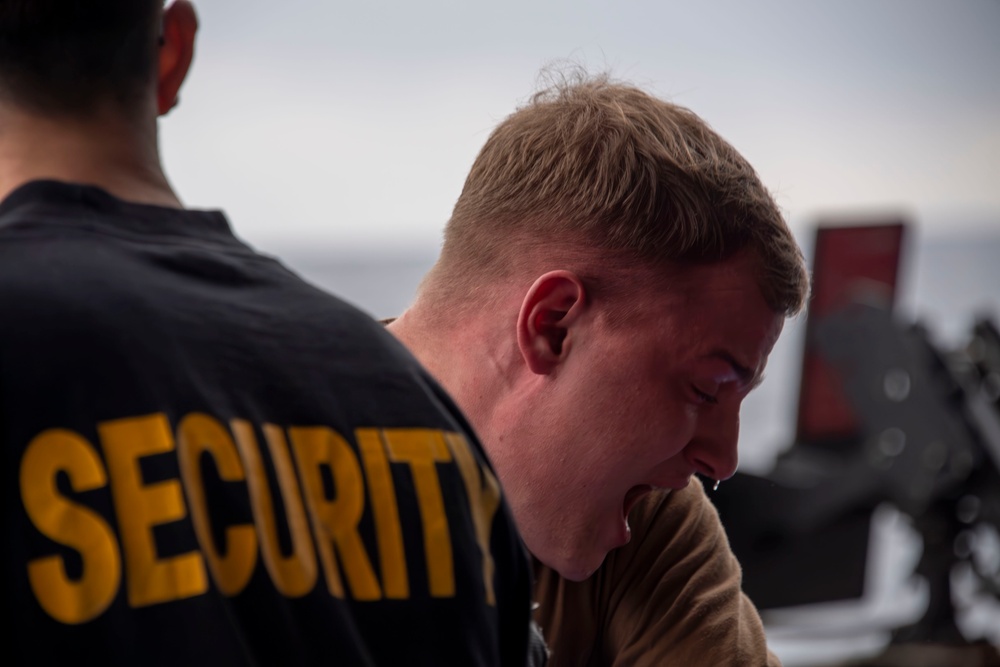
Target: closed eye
708	398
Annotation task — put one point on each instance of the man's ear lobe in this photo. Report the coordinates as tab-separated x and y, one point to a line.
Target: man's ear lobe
549	311
180	24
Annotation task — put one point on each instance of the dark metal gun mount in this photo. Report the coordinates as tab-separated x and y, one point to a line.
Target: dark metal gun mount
927	442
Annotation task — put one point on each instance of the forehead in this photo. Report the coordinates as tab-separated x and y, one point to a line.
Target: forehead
707	310
682	286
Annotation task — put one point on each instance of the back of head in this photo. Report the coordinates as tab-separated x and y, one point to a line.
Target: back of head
68	57
595	163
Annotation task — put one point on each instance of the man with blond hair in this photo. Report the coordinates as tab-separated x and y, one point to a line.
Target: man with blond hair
612	281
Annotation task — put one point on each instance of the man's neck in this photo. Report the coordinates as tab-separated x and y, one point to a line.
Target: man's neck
411	328
119	157
467	358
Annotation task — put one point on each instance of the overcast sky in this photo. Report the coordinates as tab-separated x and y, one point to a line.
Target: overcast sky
352	125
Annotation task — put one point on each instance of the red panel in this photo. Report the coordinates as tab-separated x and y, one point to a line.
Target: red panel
849	262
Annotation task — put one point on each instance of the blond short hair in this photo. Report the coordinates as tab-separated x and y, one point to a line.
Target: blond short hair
603	164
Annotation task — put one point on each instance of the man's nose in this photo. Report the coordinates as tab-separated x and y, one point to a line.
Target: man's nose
713	451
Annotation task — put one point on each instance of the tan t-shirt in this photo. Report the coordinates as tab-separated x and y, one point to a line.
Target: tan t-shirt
671	596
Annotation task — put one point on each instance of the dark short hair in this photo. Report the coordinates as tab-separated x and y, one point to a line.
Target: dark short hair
66	56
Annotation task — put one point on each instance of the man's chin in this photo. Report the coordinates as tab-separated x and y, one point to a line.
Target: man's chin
575	569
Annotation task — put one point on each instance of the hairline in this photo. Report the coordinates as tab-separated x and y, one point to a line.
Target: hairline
609	276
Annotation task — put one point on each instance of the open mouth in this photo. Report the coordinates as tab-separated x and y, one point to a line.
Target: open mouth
633	496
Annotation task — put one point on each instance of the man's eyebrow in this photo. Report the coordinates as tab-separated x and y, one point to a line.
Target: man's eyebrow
748	377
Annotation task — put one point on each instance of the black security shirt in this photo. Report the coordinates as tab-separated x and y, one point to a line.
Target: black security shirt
209	461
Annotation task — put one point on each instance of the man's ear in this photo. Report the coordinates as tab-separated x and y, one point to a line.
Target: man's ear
180	24
550	309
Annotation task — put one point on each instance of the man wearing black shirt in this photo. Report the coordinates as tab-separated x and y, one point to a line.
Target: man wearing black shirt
206	460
